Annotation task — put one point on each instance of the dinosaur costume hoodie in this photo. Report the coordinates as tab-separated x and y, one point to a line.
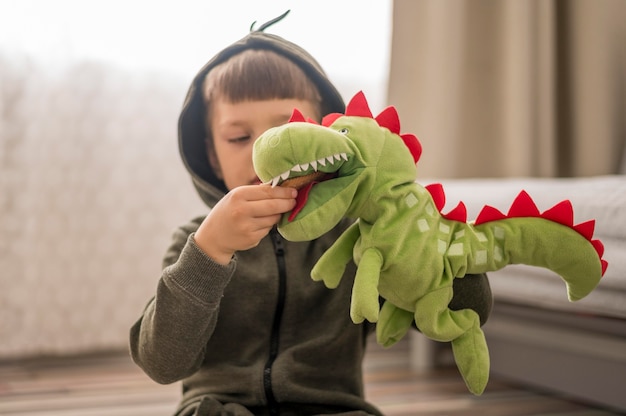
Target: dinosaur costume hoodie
257	333
257	336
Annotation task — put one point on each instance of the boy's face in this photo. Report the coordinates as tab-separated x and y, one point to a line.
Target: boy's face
235	128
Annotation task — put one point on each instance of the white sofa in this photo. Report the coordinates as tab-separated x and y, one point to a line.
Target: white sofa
535	335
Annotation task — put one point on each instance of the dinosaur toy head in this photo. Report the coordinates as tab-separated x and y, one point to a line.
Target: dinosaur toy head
335	165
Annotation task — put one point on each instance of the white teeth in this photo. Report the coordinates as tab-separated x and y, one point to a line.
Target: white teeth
277	179
303	167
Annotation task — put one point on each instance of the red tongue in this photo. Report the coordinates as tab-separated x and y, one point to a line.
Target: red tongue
303	195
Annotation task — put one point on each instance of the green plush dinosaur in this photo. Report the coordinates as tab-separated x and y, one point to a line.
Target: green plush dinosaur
407	251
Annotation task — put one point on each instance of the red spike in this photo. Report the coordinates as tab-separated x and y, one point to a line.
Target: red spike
358	106
437	193
563	213
586	229
414	145
523	206
296	115
487	214
459	213
310	120
605	265
389	118
597	244
330	119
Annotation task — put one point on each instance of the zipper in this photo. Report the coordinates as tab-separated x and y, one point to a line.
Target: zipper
279	252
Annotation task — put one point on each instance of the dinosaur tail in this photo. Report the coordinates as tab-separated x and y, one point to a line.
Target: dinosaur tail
526	236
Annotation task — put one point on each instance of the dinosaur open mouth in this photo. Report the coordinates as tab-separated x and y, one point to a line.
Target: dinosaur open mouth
300	182
323	169
304	184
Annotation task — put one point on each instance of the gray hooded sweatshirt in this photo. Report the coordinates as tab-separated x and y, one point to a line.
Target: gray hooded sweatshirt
257	336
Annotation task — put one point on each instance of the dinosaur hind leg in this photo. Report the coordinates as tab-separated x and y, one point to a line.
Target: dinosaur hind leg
472	359
462	328
393	324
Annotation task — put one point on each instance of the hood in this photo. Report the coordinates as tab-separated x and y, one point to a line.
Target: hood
191	125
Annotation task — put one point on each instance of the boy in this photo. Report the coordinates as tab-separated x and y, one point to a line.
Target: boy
236	316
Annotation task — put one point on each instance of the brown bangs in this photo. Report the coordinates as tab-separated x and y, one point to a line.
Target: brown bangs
259	75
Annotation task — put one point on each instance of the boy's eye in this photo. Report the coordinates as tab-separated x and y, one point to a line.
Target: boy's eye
241	139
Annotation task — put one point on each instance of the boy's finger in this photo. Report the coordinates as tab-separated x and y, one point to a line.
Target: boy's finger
273	206
278	192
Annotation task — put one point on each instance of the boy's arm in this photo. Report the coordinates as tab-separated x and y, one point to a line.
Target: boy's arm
169	339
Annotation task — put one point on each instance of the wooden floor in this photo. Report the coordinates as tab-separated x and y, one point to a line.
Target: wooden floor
110	384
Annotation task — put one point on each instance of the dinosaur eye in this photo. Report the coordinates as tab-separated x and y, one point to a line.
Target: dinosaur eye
344	131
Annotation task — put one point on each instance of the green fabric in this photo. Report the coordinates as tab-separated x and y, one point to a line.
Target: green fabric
209	326
407	252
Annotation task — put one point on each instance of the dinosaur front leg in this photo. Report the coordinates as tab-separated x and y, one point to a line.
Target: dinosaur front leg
364	303
332	264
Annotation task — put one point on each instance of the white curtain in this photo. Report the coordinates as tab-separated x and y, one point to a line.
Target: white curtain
91	182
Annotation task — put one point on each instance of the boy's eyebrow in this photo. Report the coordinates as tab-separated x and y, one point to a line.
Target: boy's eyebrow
282	118
276	119
230	123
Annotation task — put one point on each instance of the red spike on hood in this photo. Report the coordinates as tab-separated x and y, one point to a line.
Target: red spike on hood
389	118
358	106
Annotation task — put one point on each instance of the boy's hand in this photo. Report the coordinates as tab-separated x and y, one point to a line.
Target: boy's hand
242	218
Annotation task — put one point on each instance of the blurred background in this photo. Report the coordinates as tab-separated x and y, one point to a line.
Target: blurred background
512	88
91	184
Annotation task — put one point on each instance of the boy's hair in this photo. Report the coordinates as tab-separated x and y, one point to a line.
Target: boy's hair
272	64
257	74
